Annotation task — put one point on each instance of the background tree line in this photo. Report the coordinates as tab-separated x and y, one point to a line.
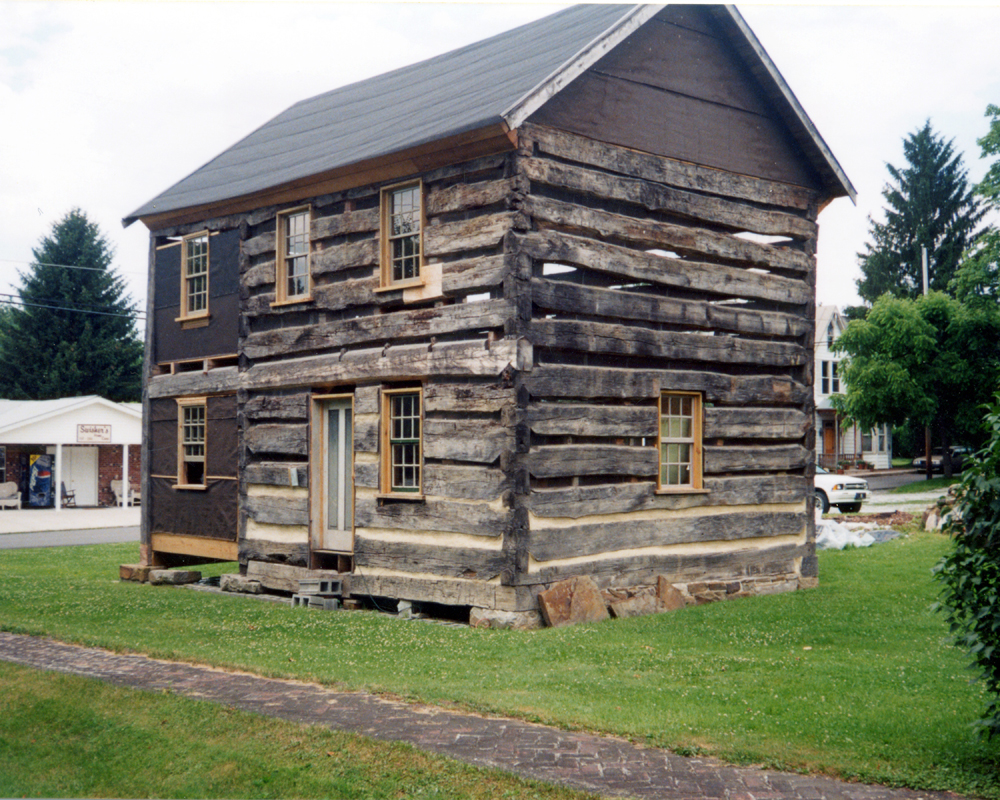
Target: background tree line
915	360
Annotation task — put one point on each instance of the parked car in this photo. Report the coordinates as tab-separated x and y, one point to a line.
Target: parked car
843	491
958	459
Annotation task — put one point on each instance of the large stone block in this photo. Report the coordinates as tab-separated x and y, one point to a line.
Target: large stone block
512	620
134	572
174	577
572	601
240	584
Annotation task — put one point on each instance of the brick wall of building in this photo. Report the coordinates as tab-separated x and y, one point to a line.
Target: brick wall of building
109	468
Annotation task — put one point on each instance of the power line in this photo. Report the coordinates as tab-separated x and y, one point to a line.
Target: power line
66	266
19	303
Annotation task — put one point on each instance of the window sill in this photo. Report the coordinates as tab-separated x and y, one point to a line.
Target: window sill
196	487
405	496
199	321
398	287
682	490
293	301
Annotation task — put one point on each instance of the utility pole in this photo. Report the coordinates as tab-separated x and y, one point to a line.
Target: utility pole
927	428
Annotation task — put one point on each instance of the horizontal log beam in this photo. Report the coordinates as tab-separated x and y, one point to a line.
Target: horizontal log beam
634	265
605	382
568	460
658	197
623	304
686	240
622	498
552	544
665	170
431	515
454	360
600	337
450	562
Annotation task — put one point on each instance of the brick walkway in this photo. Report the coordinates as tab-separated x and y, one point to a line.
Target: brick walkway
603	765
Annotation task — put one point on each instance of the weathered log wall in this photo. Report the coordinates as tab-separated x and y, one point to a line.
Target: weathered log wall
649	275
354	338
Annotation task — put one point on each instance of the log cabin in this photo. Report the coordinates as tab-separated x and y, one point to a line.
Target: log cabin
538	308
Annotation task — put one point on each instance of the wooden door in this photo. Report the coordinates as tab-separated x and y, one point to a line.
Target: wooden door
333	465
829	440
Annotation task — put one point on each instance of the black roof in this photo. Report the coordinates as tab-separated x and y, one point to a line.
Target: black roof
459	91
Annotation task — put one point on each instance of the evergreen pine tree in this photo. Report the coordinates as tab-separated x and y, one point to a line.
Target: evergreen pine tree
929	203
73	332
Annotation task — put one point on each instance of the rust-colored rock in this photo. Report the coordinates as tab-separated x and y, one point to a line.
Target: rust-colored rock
572	601
671	598
134	572
637	606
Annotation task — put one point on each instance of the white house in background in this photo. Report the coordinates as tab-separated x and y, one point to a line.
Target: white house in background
89	442
835	440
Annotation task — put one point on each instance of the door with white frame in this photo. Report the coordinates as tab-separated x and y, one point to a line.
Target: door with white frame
331	474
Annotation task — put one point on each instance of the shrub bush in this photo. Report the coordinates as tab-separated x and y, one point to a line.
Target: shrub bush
970	574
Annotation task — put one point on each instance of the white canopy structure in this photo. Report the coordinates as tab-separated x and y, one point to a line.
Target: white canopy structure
73	429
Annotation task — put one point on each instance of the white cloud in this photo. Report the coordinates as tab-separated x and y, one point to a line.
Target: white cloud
103	105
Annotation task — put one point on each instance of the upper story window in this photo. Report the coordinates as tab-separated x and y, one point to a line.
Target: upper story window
402	234
292	279
680	441
192	423
194	275
829	382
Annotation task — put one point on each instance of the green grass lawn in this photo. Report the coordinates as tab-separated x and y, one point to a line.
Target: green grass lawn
924	485
856	678
64	736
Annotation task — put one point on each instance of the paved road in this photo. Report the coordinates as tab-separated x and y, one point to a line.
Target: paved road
16	541
606	765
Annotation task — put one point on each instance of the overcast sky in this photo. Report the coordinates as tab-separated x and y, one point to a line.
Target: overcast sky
103	105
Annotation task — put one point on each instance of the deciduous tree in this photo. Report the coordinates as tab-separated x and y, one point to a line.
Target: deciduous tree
73	330
932	360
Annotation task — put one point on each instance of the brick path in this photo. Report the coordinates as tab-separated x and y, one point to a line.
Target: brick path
603	765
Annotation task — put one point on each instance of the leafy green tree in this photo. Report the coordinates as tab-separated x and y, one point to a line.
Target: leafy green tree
970	574
989	186
928	203
932	361
977	280
73	331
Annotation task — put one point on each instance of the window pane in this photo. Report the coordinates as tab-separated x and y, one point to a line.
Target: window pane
678	439
404	442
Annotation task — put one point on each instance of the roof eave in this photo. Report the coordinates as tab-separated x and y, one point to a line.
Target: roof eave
589	55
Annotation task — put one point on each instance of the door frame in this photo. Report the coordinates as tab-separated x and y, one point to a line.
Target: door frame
319	404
